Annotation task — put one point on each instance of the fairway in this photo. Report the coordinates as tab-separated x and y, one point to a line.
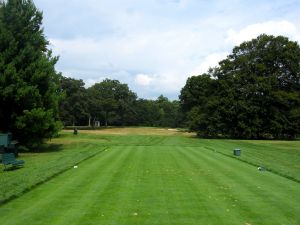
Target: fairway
163	179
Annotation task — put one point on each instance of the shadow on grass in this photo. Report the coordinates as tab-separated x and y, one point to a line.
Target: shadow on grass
12	168
44	148
63	135
47	148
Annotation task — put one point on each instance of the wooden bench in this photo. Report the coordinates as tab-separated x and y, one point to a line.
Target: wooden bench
10	159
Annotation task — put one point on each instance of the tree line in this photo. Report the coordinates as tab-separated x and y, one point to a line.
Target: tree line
112	103
253	93
36	101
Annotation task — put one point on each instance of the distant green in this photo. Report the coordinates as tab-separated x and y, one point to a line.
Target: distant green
142	179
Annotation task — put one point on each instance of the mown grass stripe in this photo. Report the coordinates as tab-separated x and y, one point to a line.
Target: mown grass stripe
169	180
44	180
212	193
100	179
60	191
266	190
275	171
250	171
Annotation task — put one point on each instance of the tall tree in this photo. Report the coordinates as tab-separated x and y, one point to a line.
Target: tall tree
148	112
111	101
255	92
29	90
261	80
198	101
169	112
74	107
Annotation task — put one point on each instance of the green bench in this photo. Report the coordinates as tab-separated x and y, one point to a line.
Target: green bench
10	159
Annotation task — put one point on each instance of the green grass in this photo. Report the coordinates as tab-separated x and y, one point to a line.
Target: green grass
40	167
281	157
159	180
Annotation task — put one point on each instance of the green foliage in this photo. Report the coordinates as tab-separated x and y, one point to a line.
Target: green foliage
28	81
111	102
35	125
148	113
157	113
73	109
199	103
169	112
255	92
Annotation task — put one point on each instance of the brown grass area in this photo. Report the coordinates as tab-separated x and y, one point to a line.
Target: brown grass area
135	131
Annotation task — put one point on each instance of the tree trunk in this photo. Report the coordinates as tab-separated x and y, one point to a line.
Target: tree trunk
106	115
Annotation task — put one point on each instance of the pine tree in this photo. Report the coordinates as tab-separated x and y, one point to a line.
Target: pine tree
29	84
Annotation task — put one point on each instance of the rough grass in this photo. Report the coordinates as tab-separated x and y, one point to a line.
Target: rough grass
58	156
161	179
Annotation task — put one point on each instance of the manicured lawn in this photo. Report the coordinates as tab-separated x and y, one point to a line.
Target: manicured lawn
281	157
60	155
148	179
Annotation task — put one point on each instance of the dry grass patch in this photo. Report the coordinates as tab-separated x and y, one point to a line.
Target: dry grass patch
136	131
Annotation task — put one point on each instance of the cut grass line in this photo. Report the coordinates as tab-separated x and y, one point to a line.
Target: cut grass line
51	198
225	164
89	179
225	173
221	178
274	171
12	197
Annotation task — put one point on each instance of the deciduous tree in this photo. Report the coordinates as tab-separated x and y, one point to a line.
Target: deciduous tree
74	107
111	101
256	92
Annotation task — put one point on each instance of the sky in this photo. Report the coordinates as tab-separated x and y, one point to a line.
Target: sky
155	45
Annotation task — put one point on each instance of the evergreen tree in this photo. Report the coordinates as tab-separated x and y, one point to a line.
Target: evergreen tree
29	90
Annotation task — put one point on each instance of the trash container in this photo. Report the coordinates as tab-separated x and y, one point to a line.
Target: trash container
237	152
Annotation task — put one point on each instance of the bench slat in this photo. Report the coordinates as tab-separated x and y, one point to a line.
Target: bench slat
9	159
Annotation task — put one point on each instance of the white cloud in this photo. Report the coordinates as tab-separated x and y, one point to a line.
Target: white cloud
154	46
90	82
209	61
161	60
143	79
283	27
168	83
155	60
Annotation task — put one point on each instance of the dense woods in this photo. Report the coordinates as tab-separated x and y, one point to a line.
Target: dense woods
112	103
253	93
